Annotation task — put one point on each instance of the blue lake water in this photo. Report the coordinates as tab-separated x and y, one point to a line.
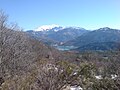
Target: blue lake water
65	48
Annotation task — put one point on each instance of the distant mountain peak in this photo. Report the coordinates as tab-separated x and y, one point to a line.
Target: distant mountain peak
47	27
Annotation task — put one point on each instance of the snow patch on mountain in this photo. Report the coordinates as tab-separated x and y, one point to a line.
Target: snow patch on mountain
46	27
75	27
55	27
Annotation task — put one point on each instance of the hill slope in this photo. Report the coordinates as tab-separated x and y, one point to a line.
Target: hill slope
102	46
100	35
19	52
96	39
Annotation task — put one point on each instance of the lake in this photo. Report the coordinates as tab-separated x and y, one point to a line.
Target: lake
65	48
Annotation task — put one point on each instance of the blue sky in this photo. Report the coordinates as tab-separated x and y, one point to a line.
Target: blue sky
89	14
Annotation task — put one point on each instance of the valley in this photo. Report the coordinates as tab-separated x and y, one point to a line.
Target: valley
79	39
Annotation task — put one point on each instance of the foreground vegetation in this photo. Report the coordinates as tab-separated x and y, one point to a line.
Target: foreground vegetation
27	64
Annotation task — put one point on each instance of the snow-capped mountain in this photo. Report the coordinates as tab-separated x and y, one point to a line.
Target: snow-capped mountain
57	33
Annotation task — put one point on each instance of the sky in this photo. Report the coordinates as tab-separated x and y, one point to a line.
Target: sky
88	14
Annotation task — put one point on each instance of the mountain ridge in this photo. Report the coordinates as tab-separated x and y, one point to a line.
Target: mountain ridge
99	37
58	34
